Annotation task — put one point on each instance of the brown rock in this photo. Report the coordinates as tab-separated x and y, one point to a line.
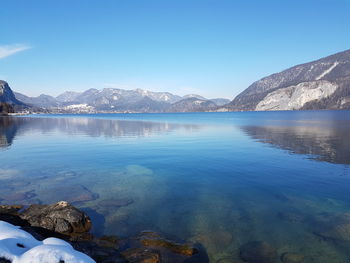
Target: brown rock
141	255
153	240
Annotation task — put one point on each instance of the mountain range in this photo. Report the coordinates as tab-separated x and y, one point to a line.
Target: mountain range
321	84
120	100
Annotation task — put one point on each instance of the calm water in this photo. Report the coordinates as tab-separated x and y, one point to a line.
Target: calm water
221	179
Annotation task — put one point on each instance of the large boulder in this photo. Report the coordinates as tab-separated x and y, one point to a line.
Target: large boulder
60	217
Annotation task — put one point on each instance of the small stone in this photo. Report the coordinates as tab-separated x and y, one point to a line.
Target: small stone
292	258
258	252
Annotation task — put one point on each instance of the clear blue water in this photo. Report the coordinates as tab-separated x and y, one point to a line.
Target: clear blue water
220	179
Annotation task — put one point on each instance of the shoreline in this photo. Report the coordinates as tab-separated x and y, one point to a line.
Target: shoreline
64	221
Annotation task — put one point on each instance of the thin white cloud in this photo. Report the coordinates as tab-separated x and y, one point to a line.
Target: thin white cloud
8	50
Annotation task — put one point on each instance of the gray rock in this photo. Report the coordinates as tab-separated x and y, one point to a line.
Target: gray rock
60	217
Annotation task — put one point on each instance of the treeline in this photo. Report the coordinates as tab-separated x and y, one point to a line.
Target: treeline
6	108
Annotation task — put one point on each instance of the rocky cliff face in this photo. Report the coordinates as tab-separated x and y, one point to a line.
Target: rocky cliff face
7	96
321	84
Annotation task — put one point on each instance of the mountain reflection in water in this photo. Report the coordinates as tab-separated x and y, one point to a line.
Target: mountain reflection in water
10	127
324	143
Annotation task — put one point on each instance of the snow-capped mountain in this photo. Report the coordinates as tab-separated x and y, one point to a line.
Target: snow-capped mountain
120	100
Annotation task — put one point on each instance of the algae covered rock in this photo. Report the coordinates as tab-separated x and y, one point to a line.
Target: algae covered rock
258	252
150	239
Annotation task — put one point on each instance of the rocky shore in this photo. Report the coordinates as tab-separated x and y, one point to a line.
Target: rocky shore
64	221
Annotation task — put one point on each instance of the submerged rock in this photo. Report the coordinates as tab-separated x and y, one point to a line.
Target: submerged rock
217	240
60	217
115	203
141	255
258	252
150	239
337	228
19	196
290	216
292	258
103	249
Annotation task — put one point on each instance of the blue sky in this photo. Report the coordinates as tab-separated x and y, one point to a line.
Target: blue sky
214	48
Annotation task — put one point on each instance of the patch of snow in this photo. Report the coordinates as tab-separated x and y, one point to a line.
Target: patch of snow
328	70
198	102
19	246
165	97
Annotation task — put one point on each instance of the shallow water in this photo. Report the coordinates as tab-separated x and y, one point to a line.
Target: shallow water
219	179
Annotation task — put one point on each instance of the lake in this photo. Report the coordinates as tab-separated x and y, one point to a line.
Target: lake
219	179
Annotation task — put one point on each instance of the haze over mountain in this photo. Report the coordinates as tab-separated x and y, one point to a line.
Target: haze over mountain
321	84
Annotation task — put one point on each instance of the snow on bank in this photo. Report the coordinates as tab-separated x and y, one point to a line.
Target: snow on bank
19	246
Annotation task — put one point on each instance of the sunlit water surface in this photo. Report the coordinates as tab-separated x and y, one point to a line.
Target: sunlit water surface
220	179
